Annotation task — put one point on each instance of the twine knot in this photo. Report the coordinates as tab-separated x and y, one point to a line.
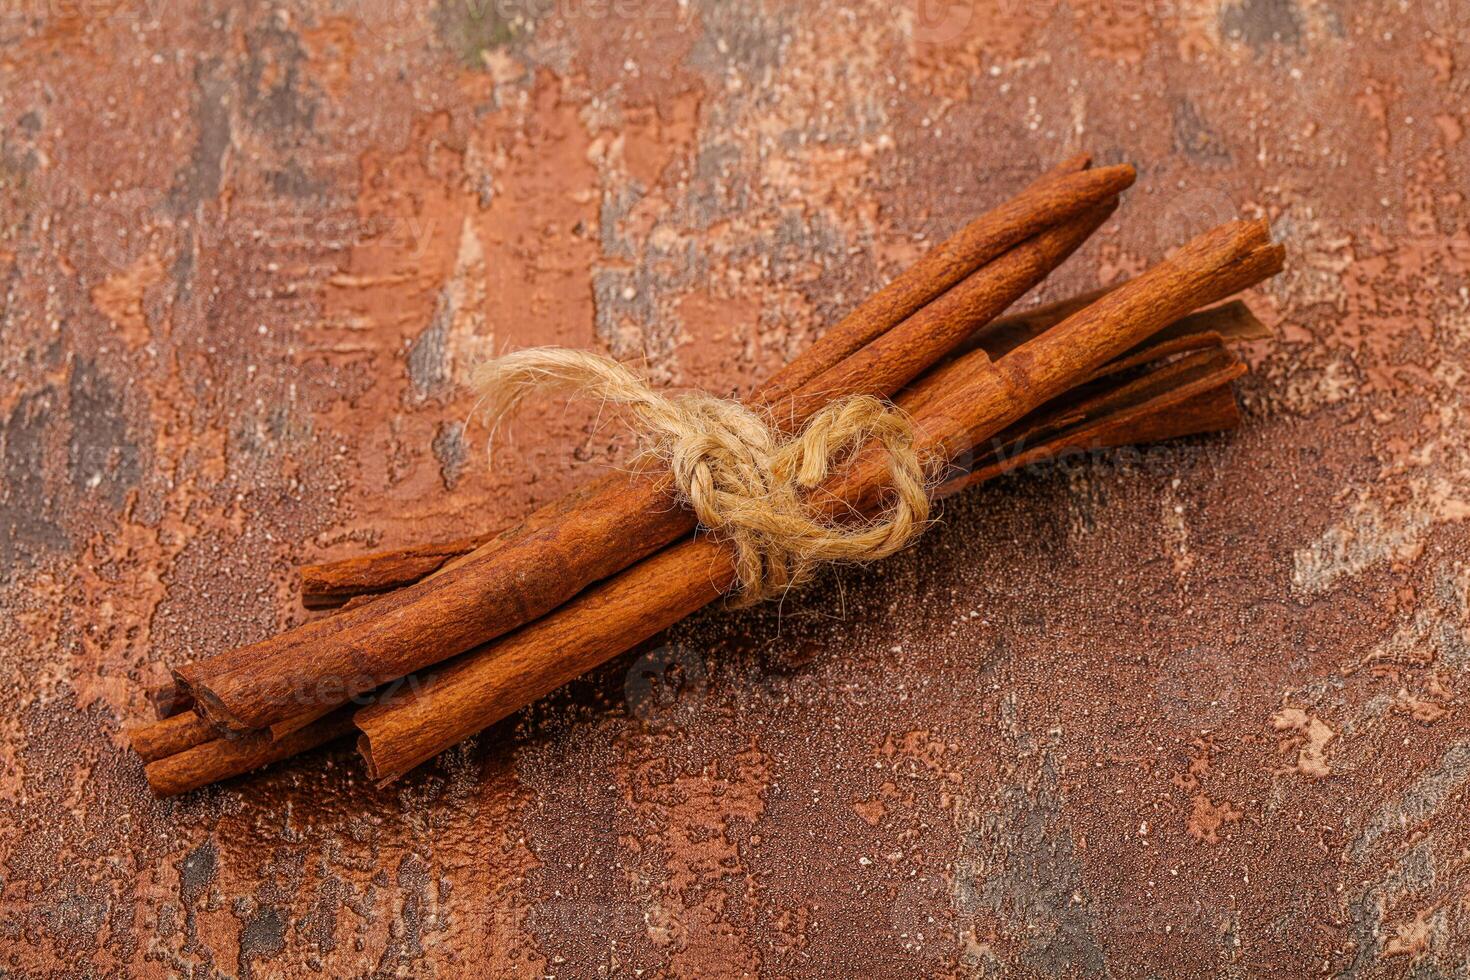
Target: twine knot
746	481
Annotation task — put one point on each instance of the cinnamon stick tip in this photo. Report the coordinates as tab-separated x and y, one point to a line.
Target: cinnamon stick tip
167	699
209	707
1118	176
136	734
1267	259
1075	162
365	751
1104	209
184	678
1260	230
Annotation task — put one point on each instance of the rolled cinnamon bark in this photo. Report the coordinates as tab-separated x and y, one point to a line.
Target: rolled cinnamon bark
1189	396
589	535
168	700
170	735
327	584
971	401
222	758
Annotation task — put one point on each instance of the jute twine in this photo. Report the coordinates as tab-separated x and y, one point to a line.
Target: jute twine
746	481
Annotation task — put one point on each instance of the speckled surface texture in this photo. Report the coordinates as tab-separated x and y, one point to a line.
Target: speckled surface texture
1193	712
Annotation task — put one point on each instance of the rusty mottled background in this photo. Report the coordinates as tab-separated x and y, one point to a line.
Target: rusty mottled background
1198	711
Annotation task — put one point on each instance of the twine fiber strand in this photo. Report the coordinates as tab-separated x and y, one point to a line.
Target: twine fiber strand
747	482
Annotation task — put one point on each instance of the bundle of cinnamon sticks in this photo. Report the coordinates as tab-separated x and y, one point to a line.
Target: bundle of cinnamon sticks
433	643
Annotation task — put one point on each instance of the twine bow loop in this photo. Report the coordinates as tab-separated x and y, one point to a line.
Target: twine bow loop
745	480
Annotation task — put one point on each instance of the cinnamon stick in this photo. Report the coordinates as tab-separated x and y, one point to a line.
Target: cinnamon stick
178	728
978	399
1189	396
170	736
221	758
327	584
168	699
589	535
1231	321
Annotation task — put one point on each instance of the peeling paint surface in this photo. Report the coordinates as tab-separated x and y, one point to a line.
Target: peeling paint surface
1191	711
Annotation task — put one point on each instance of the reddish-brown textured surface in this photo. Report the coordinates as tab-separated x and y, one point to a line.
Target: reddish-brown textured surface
1193	712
